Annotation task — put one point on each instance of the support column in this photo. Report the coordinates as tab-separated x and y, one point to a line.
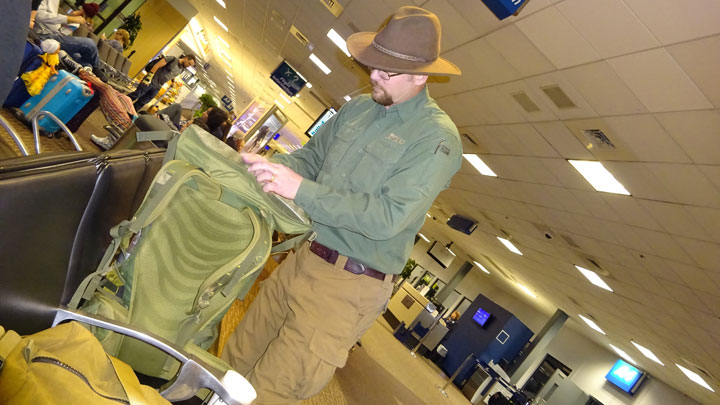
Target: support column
539	344
457	278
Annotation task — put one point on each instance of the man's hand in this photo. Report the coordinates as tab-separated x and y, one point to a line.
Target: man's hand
274	177
148	78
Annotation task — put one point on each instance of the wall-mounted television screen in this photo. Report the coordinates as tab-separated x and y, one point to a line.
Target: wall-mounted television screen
626	376
442	255
322	119
481	317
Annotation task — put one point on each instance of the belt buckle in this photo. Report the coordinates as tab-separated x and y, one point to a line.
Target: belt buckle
352	266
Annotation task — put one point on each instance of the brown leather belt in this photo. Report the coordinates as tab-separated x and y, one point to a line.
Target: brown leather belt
331	256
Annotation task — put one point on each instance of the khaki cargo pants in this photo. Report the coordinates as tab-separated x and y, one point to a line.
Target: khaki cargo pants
299	328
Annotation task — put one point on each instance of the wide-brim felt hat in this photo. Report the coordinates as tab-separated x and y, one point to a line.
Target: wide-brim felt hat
408	43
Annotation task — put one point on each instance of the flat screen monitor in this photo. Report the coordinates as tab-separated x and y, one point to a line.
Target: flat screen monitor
442	255
288	79
625	376
322	119
481	317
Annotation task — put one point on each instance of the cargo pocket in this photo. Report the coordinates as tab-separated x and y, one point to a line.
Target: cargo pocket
329	354
374	167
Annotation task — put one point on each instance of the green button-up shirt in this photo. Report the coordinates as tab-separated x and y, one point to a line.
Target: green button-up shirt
371	173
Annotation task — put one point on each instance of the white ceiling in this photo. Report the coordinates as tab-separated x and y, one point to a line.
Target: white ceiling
643	71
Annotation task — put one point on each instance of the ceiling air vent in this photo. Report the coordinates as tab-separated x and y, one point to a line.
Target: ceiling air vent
300	37
598	139
570	241
558	97
466	136
525	102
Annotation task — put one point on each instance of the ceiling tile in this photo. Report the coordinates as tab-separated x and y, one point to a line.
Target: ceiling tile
562	140
466	61
486	140
557	39
630	211
708	219
711	300
593	20
640	181
697	133
645	139
658	81
455	30
674	219
596	205
490	66
712	173
566	174
686	183
681	293
477	15
531	139
706	254
603	89
509	92
498	106
519	51
674	21
700	59
664	245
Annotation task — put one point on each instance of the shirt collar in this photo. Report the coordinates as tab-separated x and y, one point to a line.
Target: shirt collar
408	110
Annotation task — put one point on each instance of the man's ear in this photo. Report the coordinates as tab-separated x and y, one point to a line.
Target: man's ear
419	79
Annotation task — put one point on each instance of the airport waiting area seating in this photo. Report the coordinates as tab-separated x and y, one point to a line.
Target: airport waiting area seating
114	63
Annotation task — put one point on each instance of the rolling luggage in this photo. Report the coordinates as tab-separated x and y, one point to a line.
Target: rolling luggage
64	95
196	243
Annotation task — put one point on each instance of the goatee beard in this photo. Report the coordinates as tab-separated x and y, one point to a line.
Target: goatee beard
383	99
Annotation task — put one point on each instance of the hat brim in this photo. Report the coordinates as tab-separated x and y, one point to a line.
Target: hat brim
361	48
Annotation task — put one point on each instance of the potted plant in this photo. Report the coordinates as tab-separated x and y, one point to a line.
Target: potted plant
408	269
132	25
206	101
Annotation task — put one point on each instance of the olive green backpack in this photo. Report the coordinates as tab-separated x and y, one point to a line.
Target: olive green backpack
197	242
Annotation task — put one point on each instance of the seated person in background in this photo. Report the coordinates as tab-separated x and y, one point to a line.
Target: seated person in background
48	24
451	321
118	41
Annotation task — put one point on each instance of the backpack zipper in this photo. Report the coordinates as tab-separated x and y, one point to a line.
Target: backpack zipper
50	360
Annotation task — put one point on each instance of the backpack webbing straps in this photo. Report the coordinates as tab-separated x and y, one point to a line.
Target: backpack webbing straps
293	243
170	136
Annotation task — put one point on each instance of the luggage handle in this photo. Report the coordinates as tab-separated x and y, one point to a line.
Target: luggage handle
36	130
194	374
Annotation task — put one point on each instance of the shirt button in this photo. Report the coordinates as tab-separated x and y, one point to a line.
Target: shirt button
361	150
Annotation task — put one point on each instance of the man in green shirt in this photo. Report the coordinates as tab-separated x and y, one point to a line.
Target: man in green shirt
366	179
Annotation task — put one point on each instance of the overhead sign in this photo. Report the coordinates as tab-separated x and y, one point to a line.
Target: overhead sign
625	376
226	100
505	8
288	79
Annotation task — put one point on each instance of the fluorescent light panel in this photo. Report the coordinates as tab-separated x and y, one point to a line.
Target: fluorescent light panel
308	85
220	23
695	377
222	3
481	267
527	290
224	42
320	64
598	176
594	278
647	353
591	324
423	237
285	98
622	354
347	98
510	246
479	165
338	40
451	252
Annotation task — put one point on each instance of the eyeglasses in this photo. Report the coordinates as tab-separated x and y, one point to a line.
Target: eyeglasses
385	75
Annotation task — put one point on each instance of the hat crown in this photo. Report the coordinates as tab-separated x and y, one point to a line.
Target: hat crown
411	33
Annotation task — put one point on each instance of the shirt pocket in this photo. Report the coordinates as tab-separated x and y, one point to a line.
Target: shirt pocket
343	139
376	165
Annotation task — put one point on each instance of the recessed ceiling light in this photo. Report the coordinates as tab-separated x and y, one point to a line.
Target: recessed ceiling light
510	246
308	85
591	324
224	42
647	353
594	278
481	267
695	377
622	354
320	64
220	23
598	176
279	104
227	62
423	237
339	41
451	252
225	54
527	290
428	215
479	164
284	97
347	98
222	3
